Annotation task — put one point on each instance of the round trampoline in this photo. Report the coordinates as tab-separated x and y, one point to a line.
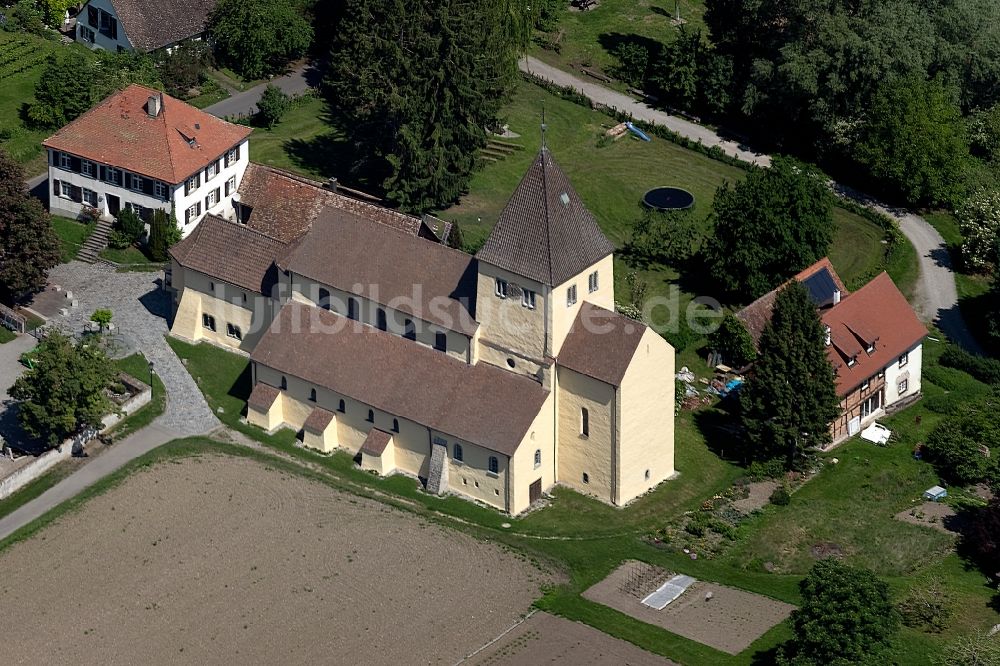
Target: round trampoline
668	198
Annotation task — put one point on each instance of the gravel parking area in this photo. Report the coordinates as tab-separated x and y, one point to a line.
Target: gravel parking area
215	559
728	619
548	639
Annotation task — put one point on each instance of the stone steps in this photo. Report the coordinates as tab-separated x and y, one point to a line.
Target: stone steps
95	243
437	476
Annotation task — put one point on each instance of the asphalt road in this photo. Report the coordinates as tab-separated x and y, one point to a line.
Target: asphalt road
935	298
245	103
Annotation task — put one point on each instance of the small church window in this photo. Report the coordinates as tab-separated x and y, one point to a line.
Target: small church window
341	407
538	458
528	299
501	288
395	425
571	296
458	454
441	341
494	465
371	416
592	283
284	383
585	422
312	395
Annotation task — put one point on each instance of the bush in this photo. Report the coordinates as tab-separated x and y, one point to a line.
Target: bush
781	496
273	105
984	369
119	240
163	234
761	470
130	225
953	447
184	68
633	63
102	317
927	607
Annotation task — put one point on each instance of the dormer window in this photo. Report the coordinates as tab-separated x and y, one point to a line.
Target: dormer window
501	288
852	361
904	359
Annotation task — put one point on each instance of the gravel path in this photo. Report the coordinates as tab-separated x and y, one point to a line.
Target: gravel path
935	298
140	308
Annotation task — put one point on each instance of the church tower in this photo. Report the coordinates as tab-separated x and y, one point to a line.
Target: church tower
544	258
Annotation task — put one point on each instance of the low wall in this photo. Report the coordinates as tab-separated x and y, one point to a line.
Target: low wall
22	477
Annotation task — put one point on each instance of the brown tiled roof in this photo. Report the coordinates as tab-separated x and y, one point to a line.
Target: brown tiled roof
479	403
757	315
600	344
175	144
231	253
376	441
318	420
879	309
152	25
262	397
415	276
284	205
545	233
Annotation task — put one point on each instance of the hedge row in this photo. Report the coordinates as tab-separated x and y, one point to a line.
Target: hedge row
986	370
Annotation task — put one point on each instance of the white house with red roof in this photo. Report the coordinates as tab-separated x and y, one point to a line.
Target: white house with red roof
140	149
874	341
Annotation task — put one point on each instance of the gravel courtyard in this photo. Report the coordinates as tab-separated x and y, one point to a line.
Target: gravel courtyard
217	559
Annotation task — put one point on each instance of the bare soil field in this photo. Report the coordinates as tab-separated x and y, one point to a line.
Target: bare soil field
548	639
217	559
730	620
935	515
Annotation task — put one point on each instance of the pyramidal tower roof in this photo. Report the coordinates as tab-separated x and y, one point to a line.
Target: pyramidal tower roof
545	233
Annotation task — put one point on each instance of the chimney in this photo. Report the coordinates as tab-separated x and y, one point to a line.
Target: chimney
154	105
836	296
828	335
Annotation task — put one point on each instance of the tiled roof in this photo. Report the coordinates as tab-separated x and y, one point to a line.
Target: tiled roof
318	420
284	205
757	315
876	315
601	344
152	25
231	253
376	442
479	403
175	144
545	233
262	397
413	275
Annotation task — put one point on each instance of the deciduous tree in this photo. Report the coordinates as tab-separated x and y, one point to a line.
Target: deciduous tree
663	237
64	391
846	618
29	246
258	37
769	226
788	403
954	446
979	221
733	341
273	105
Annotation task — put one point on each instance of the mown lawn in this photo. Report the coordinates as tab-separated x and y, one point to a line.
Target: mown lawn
137	366
590	38
304	141
72	234
6	335
850	504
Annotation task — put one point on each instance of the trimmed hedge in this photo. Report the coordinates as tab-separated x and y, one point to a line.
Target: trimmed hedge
986	370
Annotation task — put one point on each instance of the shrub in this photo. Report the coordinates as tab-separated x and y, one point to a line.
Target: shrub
761	470
984	369
273	105
927	607
102	317
781	496
119	240
130	225
953	447
633	63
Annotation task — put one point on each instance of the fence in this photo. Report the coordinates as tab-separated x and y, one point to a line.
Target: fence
12	320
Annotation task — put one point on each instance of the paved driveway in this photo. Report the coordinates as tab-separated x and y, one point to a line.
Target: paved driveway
245	103
10	370
140	308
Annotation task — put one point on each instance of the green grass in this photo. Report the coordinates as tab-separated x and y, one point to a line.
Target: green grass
17	90
851	504
137	366
72	234
304	141
212	92
35	488
129	257
6	335
589	38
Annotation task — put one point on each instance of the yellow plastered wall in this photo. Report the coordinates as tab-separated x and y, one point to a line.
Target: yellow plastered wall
411	443
471	476
564	315
646	418
540	437
459	345
505	322
269	420
578	454
325	441
383	465
200	295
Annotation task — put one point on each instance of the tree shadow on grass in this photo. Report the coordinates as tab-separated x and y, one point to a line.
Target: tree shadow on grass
721	432
613	41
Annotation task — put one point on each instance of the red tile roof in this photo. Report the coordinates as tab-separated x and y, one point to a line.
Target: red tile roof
262	397
376	442
757	315
318	420
601	344
479	403
175	144
876	315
